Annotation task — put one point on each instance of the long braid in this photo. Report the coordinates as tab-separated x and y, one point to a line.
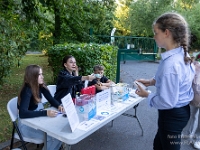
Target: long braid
185	46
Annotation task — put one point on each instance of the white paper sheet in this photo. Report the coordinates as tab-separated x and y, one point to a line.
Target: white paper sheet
86	125
70	111
103	99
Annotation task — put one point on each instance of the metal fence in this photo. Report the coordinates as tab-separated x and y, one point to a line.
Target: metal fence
130	48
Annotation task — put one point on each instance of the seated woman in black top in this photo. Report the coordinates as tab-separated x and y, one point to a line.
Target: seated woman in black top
29	97
68	79
101	82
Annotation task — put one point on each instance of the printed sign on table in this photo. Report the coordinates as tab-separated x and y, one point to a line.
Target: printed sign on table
87	125
103	99
70	111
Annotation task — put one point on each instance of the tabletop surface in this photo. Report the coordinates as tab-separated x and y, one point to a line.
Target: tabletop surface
59	128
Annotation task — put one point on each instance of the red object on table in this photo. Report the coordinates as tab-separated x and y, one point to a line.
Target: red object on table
73	99
90	90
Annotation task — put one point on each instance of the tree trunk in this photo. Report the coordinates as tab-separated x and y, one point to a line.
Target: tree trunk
57	29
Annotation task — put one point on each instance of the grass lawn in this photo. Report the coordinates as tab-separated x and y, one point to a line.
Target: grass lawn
12	86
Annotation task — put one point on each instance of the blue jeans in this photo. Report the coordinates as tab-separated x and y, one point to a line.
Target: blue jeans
170	125
26	131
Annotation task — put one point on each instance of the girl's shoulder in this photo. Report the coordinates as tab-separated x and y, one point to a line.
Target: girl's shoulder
26	89
64	72
104	78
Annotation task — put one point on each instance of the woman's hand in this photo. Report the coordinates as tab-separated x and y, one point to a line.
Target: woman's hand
76	71
91	77
61	109
147	82
99	83
52	113
141	92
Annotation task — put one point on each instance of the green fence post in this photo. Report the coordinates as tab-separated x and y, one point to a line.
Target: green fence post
118	65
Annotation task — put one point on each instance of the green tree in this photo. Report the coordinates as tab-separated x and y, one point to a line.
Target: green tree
43	23
121	21
14	37
72	19
141	14
190	10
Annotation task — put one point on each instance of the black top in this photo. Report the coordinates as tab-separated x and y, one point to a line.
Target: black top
67	83
103	79
27	104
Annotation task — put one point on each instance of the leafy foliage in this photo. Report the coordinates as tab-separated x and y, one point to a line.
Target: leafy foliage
193	19
143	12
39	24
87	55
13	38
71	20
138	20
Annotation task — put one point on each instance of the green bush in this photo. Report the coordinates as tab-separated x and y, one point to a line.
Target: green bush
87	55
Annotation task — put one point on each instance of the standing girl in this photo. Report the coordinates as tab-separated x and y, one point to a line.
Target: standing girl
173	81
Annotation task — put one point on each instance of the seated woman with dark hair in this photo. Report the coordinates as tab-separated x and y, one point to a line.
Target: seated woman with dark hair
68	80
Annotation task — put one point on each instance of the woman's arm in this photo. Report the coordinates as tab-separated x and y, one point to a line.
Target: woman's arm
107	84
101	87
67	80
49	97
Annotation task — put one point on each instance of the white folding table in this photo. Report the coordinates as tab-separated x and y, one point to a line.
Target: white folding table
59	128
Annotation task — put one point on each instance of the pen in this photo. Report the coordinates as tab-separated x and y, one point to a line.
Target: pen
64	114
58	112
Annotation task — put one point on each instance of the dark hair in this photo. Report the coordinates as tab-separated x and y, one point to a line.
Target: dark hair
177	25
65	59
31	78
98	67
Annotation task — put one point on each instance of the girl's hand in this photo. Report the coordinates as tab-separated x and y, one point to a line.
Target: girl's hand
61	109
76	71
147	82
91	77
99	83
141	92
52	113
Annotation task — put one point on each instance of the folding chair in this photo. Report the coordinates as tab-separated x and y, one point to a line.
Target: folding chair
52	89
13	112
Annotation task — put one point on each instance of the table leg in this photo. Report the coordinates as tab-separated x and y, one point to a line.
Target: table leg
66	146
45	141
124	58
112	123
135	116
